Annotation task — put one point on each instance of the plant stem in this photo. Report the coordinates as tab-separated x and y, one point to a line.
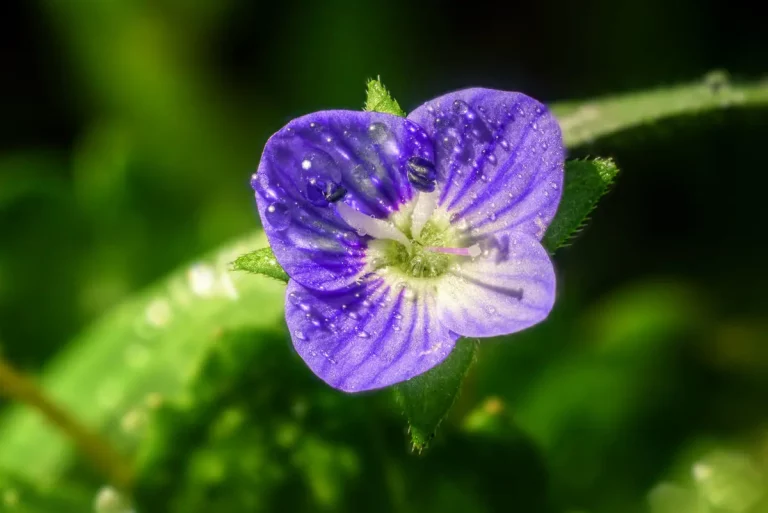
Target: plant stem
97	450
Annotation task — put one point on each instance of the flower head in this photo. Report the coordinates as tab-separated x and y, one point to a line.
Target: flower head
402	234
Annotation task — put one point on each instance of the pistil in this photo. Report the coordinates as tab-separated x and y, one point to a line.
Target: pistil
472	251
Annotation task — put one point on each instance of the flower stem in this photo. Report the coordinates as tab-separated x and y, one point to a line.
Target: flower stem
96	449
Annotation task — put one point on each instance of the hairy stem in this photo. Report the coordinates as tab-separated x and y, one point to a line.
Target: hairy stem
97	450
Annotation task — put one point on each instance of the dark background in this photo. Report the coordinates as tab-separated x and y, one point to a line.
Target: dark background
129	129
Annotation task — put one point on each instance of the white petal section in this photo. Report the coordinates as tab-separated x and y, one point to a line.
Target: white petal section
510	287
422	211
367	225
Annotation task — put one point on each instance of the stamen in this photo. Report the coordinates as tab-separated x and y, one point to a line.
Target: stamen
422	174
422	211
473	251
367	225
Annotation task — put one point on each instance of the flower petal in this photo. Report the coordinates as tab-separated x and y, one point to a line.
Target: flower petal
500	158
510	287
368	336
319	159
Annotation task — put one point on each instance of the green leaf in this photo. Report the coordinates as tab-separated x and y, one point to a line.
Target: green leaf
427	398
251	427
262	261
19	496
379	100
138	354
588	122
585	183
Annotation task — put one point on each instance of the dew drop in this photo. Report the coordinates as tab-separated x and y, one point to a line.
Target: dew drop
465	153
363	334
378	132
462	225
109	500
490	309
460	107
278	217
318	165
717	81
360	174
504	144
299	335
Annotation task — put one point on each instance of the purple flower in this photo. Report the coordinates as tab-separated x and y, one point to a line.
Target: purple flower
402	234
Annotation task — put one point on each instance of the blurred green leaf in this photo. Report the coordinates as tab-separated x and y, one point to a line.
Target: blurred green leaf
261	261
250	430
427	398
729	481
19	496
586	122
670	498
378	99
138	354
585	182
30	174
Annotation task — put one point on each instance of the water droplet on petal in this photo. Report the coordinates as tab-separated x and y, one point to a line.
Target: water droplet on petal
319	165
379	132
465	153
299	335
278	217
363	334
460	107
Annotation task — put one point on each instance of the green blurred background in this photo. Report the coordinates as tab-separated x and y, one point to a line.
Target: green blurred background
130	129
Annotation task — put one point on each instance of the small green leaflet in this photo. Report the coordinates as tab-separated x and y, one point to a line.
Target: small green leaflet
427	398
586	181
261	261
378	99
